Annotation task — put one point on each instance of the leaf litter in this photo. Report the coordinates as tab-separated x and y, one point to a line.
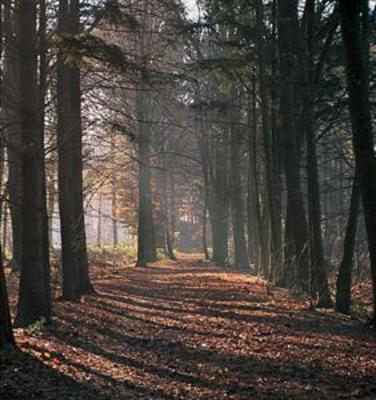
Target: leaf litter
190	330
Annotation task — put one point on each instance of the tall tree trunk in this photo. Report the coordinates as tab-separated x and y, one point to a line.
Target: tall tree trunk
237	202
42	89
6	332
219	199
319	280
114	205
51	197
99	226
204	155
66	168
5	227
34	295
343	296
219	225
146	249
146	232
205	229
75	269
172	206
297	230
86	286
165	203
255	231
354	21
10	103
270	172
277	150
115	236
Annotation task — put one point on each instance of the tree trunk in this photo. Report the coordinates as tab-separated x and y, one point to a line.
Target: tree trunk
5	227
354	21
270	174
240	248
86	286
51	190
76	281
297	230
115	240
66	168
165	204
34	295
99	226
204	154
261	231
146	232
219	223
219	199
10	103
319	280
6	332
277	154
343	296
205	229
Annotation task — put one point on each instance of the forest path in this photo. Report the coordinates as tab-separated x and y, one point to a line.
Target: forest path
189	330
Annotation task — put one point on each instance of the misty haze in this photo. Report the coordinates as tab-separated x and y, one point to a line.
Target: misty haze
187	199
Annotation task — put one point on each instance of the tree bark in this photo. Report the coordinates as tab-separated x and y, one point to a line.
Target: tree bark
99	226
343	296
271	175
205	229
297	230
6	332
86	286
319	280
34	295
255	229
76	280
219	200
354	21
146	232
66	168
10	103
165	203
114	205
240	249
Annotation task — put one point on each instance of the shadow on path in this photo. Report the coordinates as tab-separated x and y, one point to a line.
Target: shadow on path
189	330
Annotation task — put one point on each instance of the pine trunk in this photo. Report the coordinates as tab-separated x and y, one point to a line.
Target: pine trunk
296	255
34	294
146	232
354	20
343	296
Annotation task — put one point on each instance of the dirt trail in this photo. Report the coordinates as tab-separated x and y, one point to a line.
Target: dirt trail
189	330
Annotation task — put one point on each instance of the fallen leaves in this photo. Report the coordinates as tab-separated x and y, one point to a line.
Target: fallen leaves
189	330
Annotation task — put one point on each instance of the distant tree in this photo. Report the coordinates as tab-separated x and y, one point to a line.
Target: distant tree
241	260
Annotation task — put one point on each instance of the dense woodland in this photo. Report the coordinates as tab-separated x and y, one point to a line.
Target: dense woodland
231	140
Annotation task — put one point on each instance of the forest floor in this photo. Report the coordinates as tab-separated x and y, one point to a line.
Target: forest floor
190	330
